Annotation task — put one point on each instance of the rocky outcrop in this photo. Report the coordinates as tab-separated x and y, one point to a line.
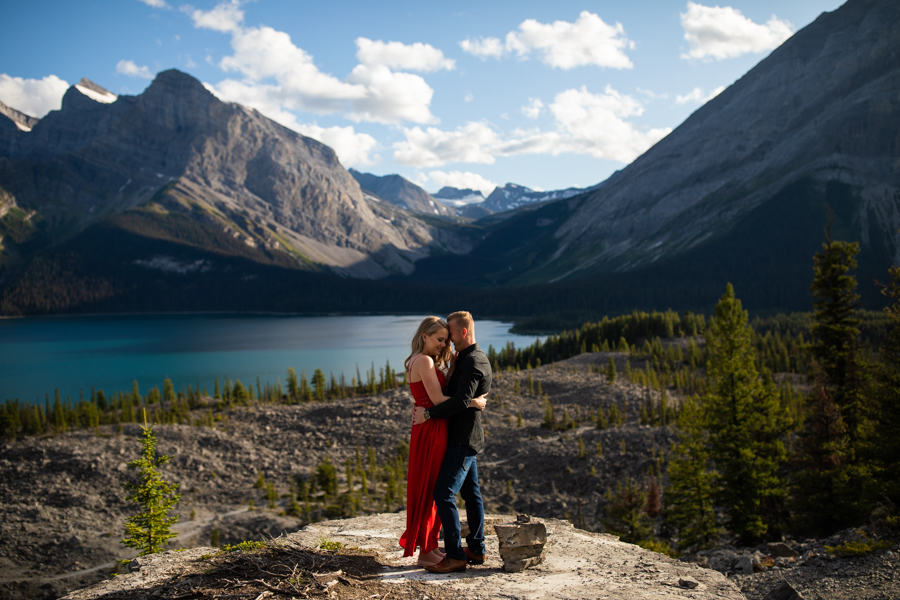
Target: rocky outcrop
176	148
579	565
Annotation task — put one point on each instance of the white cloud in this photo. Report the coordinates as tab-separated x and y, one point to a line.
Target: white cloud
390	97
35	97
432	147
463	180
483	47
714	32
353	149
403	57
272	64
586	123
225	17
468	97
698	95
156	3
128	67
532	110
562	45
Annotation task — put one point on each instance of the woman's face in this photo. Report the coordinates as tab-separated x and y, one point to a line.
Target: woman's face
436	342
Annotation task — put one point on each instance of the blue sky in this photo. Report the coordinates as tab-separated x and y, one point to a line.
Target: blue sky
470	94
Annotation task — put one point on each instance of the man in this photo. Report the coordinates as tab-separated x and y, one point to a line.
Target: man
465	440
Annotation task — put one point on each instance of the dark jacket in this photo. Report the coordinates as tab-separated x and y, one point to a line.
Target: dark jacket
471	378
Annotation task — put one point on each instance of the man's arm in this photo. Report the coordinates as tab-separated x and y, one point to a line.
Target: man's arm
469	377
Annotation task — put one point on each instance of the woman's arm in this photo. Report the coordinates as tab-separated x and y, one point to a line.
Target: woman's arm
425	370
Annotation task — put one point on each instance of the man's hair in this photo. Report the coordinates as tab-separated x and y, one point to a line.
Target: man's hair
464	318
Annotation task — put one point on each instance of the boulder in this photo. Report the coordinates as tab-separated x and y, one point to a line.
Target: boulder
744	566
523	544
784	591
777	549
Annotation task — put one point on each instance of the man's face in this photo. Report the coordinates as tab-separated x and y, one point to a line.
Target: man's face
456	332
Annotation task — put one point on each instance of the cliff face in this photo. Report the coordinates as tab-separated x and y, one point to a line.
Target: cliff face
825	106
178	149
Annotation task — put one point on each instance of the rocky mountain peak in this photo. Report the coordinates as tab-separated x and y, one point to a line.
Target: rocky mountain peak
22	121
94	91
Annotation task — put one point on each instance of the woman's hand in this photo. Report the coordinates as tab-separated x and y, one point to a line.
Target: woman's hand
478	403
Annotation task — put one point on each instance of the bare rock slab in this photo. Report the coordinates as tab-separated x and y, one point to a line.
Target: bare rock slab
580	564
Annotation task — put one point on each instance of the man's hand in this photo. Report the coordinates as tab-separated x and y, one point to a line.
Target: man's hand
418	415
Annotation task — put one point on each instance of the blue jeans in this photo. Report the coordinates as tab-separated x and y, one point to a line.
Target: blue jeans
459	474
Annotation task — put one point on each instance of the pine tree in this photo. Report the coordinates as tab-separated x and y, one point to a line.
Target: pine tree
625	514
293	387
835	329
689	496
319	384
745	424
148	531
611	371
823	497
886	442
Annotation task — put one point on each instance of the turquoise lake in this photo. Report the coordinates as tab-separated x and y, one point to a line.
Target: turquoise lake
74	354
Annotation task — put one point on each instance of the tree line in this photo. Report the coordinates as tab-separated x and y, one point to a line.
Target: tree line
184	406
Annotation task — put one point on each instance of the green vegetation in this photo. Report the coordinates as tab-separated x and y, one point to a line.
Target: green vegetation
148	531
330	545
244	546
179	407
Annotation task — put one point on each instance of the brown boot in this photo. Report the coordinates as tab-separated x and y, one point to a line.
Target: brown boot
472	558
447	565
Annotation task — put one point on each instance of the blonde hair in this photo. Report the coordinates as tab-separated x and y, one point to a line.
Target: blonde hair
429	326
465	319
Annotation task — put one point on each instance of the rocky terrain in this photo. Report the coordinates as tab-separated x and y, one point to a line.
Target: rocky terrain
579	564
62	512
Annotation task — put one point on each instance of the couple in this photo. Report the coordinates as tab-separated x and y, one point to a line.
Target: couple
445	439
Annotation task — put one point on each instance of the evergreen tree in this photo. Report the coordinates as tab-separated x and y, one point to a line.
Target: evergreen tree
625	514
611	371
292	386
887	394
689	496
823	494
168	390
319	384
148	531
745	422
835	329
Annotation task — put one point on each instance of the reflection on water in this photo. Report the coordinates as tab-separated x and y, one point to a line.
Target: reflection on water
73	354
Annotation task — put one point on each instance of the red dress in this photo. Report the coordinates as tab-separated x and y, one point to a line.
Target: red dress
427	446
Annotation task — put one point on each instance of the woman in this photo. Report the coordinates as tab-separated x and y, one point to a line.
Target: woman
428	441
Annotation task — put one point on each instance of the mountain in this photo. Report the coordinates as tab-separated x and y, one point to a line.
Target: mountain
742	191
402	192
468	203
823	108
176	165
512	196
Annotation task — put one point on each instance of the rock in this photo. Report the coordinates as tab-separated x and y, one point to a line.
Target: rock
784	591
744	566
780	549
523	544
688	582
